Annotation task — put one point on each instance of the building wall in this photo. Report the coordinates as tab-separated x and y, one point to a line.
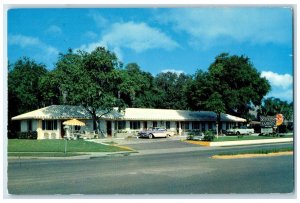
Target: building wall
57	134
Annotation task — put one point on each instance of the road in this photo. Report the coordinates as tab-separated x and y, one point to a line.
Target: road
169	173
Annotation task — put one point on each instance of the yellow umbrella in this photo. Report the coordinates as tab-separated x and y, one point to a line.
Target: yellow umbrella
74	122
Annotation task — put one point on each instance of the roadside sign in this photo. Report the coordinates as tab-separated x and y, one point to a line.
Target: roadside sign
266	130
279	119
267	121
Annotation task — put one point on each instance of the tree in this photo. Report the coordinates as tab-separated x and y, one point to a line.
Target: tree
231	85
202	96
90	80
272	106
238	83
23	92
136	86
171	90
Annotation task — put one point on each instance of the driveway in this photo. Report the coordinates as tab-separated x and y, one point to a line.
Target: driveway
141	144
159	143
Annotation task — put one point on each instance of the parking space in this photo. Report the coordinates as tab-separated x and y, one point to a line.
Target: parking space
151	144
169	144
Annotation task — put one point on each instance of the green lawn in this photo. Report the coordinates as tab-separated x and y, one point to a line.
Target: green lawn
43	154
260	151
235	138
19	145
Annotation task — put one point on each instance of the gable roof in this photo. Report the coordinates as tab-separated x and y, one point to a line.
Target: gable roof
61	112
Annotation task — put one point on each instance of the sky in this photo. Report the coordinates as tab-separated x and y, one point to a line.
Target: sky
161	39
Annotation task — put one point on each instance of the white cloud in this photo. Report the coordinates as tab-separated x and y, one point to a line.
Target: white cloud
23	41
39	50
136	36
178	72
277	80
253	25
90	35
98	19
54	29
282	85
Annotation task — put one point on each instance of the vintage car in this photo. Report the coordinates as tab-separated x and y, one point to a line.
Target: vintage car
240	131
155	132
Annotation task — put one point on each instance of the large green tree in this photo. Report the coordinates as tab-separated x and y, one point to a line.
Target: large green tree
171	90
23	90
238	82
137	87
90	80
231	85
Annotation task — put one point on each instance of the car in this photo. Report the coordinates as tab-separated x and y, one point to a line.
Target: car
155	132
239	131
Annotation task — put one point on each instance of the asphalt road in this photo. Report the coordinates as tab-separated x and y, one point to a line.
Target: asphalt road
171	173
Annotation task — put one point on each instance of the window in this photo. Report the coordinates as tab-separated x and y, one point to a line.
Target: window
161	124
49	125
186	125
29	125
121	125
145	125
154	124
168	126
134	124
210	125
203	126
195	125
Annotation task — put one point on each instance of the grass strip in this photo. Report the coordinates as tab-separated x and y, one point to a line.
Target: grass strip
43	154
246	137
19	145
259	151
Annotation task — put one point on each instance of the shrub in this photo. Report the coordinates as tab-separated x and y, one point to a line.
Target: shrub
209	136
27	135
190	137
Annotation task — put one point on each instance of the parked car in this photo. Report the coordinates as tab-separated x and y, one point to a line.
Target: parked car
155	132
240	131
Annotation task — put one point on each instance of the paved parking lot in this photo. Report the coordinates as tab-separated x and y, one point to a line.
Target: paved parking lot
159	144
151	144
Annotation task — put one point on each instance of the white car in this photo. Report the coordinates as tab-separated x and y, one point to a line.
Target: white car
243	130
155	132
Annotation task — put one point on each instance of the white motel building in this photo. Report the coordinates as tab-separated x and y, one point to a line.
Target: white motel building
48	121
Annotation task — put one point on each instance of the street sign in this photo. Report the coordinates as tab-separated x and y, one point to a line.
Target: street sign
267	121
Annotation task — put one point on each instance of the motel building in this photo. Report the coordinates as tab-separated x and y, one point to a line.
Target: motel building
48	121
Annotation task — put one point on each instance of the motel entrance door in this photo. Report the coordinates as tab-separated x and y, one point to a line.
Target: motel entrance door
62	129
108	128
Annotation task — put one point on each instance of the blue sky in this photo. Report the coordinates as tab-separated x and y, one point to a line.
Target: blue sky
162	39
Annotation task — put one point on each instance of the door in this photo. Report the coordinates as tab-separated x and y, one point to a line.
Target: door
108	128
177	127
62	129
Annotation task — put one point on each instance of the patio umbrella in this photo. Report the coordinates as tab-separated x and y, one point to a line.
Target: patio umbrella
74	122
